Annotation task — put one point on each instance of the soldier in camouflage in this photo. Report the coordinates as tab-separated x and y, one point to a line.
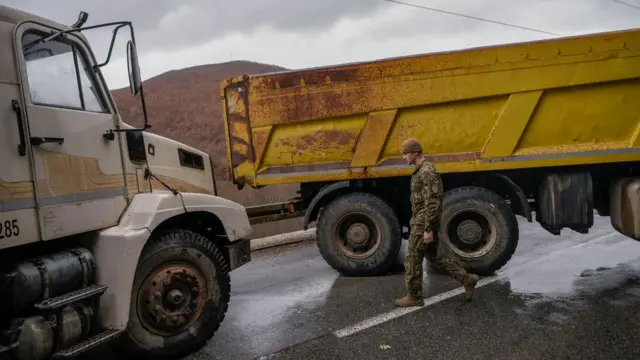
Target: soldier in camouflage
426	207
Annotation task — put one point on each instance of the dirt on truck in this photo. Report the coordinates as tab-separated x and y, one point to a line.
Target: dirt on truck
108	234
546	130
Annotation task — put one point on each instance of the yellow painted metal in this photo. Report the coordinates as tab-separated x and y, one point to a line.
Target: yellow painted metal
563	101
367	153
511	123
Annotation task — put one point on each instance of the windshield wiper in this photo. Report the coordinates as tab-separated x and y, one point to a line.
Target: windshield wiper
28	46
82	18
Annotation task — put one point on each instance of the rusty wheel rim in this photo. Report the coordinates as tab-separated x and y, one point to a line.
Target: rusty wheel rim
471	234
171	298
357	235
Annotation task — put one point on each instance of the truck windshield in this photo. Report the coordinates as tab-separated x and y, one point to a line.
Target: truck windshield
58	75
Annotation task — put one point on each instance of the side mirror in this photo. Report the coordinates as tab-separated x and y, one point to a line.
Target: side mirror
135	80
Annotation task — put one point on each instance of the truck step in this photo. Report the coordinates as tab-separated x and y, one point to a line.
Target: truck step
4	349
69	298
88	344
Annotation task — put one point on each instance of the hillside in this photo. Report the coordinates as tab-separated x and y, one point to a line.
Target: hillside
184	105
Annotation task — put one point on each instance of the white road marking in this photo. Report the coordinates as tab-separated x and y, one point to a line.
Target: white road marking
393	314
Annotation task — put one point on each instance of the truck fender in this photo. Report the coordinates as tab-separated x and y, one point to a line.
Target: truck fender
312	209
233	216
520	204
117	249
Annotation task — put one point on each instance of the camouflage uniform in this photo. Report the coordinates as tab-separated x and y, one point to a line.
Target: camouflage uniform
426	207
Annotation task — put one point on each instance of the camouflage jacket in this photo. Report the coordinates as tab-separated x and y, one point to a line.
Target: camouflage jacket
426	197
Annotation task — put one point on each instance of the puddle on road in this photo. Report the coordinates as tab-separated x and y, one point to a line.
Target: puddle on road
567	272
266	308
605	271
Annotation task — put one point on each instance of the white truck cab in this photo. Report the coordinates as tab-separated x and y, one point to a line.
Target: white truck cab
107	232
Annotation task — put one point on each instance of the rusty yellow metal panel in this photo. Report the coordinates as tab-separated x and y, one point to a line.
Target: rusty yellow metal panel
330	141
555	102
237	128
260	137
594	115
452	129
511	124
367	152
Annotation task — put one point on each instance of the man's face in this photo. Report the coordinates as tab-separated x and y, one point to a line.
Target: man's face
409	158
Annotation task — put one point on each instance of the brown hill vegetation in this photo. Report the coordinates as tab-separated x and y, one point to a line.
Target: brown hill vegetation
184	105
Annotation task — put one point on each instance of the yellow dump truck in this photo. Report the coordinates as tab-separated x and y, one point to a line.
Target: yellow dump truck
547	127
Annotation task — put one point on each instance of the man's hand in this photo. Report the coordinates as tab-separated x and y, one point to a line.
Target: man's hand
427	238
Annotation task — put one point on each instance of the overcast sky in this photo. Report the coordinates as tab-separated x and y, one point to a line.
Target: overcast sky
304	33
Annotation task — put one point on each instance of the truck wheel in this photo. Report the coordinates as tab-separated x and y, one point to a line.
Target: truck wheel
179	298
358	234
480	228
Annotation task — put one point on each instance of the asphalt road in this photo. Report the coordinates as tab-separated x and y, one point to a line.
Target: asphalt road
566	297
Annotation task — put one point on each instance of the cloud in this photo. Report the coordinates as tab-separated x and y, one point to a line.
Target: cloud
167	24
300	33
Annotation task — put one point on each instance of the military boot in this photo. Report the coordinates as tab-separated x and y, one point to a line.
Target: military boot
409	300
469	282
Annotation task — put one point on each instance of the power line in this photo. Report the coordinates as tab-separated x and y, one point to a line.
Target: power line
624	3
471	17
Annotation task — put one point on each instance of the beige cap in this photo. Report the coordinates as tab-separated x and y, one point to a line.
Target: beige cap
411	145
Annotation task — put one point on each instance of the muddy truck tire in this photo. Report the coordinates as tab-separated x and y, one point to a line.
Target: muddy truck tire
358	234
480	228
179	297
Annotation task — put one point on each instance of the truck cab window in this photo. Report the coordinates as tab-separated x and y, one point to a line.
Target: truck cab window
58	76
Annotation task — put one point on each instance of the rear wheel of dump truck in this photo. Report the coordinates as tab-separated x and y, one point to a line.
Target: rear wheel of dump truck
179	297
480	227
358	234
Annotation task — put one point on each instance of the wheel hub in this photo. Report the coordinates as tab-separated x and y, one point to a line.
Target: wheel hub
175	297
358	234
171	299
469	232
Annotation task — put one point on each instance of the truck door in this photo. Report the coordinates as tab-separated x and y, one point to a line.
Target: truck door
78	173
18	216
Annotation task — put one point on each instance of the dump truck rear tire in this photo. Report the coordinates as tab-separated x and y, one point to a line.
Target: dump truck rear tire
480	228
358	234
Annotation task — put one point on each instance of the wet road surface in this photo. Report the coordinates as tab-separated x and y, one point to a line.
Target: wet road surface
560	297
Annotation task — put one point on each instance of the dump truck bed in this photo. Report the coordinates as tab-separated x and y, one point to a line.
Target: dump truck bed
556	102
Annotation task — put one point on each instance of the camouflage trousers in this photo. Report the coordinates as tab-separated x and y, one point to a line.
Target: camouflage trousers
442	259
